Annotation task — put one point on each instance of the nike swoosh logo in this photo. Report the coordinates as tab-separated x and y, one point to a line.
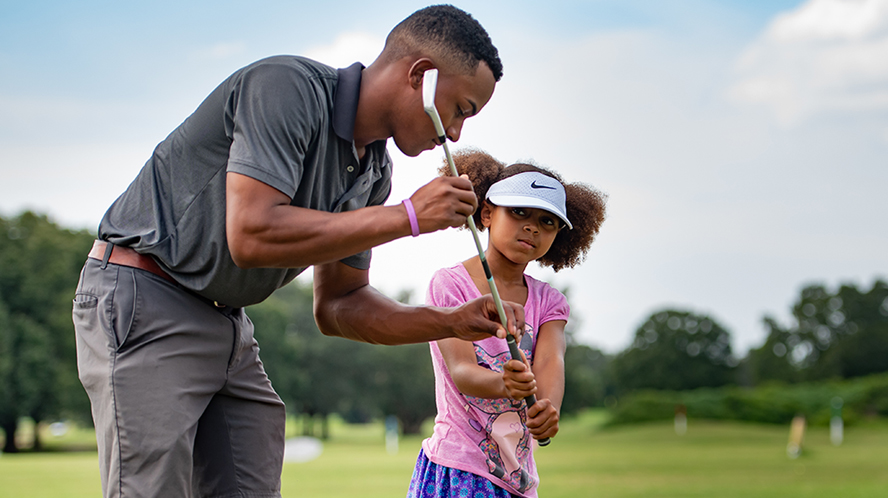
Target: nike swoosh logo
534	185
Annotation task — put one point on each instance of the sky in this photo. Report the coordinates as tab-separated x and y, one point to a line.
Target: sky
742	144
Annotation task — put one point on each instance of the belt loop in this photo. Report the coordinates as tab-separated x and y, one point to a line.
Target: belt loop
108	249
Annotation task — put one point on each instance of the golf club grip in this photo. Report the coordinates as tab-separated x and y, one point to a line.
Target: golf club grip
530	400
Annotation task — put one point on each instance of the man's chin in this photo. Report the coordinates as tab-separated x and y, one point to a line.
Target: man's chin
413	151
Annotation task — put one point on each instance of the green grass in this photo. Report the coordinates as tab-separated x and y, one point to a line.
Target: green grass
714	459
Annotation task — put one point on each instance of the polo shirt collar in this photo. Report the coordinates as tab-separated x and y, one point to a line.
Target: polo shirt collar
345	101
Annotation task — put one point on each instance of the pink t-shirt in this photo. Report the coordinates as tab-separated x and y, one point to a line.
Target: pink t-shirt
487	437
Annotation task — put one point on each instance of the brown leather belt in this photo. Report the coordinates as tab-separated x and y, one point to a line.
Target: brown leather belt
125	256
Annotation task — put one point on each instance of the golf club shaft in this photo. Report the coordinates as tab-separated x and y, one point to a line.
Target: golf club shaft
510	339
493	292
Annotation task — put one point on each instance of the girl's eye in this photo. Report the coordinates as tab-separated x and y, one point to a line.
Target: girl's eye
519	211
549	223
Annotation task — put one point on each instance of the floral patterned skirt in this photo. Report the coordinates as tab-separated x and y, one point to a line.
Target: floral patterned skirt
431	480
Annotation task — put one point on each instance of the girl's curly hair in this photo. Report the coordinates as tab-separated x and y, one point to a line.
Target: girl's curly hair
585	205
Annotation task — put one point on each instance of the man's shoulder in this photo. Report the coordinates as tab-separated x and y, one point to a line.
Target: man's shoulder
293	66
298	63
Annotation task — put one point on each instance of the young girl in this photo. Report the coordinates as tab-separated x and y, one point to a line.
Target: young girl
481	446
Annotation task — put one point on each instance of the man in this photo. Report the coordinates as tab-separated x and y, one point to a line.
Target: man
283	166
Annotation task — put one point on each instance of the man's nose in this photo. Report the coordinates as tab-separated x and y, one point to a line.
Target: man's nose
454	130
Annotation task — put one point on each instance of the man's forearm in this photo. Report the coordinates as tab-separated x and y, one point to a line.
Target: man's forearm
295	237
264	231
366	315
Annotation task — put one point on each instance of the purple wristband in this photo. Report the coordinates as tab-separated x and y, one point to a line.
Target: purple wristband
411	215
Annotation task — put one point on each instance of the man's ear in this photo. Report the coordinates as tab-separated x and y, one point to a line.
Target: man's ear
417	71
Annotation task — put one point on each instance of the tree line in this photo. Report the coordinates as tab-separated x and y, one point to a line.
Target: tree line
840	333
39	267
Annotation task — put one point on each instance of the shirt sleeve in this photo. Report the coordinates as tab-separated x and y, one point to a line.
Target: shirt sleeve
555	306
445	290
275	113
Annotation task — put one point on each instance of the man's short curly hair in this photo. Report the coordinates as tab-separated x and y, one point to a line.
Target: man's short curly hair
585	205
452	37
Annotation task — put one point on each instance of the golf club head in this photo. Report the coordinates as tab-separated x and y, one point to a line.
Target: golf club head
429	86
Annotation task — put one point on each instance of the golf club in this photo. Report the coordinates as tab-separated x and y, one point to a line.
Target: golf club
429	86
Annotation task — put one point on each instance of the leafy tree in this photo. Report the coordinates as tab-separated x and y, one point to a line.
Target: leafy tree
835	334
315	375
586	378
337	378
9	413
35	372
769	362
404	384
676	350
859	323
404	381
39	266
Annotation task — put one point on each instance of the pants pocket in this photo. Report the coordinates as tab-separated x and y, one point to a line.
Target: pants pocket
123	306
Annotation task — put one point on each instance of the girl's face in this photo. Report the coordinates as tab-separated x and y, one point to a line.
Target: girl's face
521	234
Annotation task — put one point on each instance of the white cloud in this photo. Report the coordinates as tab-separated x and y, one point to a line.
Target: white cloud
348	48
832	20
825	56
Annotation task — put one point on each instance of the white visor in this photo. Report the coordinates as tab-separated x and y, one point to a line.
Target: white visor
531	190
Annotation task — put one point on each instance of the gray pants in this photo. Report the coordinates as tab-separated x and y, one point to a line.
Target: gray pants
180	400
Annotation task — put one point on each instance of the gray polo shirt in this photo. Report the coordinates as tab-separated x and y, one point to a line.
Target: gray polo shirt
286	121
